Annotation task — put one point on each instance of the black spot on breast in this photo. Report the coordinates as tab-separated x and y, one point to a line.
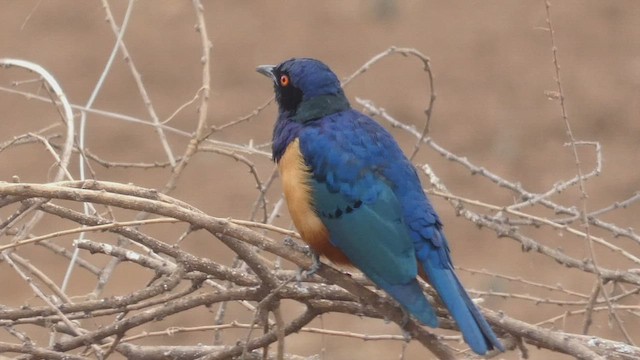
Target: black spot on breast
357	204
348	209
338	213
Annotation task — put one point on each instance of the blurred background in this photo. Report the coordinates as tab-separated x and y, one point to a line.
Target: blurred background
494	81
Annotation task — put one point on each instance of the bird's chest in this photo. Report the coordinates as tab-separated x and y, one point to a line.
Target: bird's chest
298	193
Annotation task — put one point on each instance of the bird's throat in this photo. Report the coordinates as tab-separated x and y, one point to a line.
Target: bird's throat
320	106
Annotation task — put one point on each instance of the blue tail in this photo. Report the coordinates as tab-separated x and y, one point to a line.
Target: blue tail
412	299
477	333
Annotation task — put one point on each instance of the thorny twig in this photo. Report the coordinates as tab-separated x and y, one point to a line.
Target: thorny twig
182	282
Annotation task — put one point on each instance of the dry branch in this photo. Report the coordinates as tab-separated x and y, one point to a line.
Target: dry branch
100	219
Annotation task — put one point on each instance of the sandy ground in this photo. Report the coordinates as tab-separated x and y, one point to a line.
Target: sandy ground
494	79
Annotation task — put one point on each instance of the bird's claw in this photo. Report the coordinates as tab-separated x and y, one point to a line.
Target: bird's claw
290	242
303	274
405	320
406	336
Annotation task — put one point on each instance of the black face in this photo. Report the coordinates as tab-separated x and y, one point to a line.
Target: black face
288	95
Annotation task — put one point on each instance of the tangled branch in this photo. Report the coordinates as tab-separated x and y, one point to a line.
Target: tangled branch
253	300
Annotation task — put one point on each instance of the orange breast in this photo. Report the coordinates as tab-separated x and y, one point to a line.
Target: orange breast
297	191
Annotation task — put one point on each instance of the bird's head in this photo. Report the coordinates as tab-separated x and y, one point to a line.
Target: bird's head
306	89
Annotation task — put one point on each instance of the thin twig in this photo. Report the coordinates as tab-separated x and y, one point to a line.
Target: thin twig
583	191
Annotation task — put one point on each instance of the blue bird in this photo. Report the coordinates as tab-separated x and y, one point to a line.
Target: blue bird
356	199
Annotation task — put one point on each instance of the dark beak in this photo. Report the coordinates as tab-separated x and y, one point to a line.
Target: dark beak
267	70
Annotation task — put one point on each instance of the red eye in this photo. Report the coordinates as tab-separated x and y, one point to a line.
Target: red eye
284	80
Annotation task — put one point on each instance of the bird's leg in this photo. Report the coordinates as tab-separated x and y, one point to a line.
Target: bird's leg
403	325
406	336
316	264
405	320
302	274
288	241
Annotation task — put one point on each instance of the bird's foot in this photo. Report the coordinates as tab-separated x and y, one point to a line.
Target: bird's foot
290	242
303	274
405	320
316	264
406	336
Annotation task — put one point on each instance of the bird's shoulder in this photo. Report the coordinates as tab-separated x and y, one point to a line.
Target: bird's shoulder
348	151
349	148
353	155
